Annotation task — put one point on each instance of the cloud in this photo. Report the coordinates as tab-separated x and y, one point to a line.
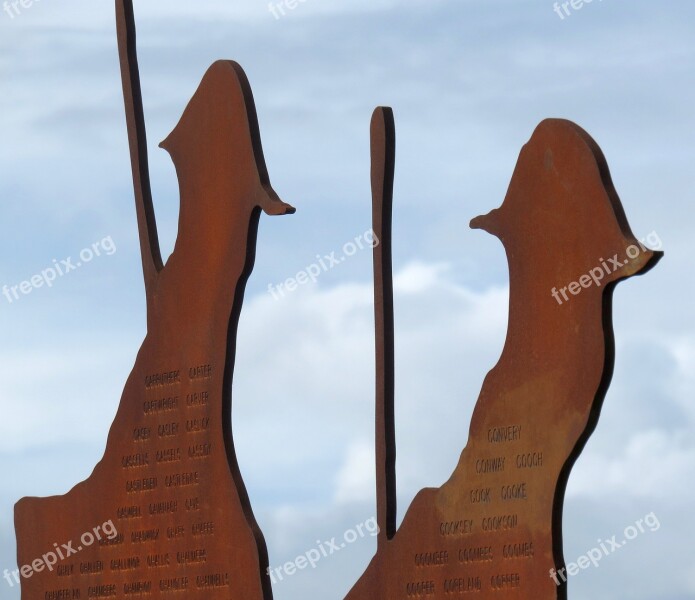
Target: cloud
417	277
355	481
78	14
651	465
469	81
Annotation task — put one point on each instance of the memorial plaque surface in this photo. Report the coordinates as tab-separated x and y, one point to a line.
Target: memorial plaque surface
494	529
165	513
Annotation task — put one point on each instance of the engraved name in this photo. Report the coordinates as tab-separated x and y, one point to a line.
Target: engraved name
144	535
505	581
197	398
514	492
500	523
197	425
141	434
101	591
146	484
162	379
182	479
175	584
125	564
489	465
137	588
167	429
200	372
160	405
453	528
429	559
199	555
199	451
214	580
112	541
501	435
420	588
531	460
64	594
476	554
207	528
462	585
520	550
132	461
168	455
65	570
480	496
92	567
129	512
176	532
155	561
163	508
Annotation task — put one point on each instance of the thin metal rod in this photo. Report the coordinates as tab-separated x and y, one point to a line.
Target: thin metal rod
383	152
137	139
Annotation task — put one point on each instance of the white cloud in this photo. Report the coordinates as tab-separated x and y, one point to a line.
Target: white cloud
653	464
355	481
61	396
469	81
417	277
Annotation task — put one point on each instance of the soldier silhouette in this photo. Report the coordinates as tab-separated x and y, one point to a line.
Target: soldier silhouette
169	481
494	529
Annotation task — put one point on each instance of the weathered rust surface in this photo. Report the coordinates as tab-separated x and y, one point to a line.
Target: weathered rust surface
383	151
169	481
494	529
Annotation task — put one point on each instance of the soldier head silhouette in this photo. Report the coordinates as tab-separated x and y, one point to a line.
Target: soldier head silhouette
216	149
561	202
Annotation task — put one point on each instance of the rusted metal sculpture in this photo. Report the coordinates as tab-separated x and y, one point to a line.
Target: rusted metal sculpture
165	512
494	530
169	486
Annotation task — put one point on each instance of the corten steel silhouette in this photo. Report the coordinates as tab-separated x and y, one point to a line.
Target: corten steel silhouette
169	479
494	530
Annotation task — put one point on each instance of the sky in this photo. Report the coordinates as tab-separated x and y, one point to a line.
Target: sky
468	81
